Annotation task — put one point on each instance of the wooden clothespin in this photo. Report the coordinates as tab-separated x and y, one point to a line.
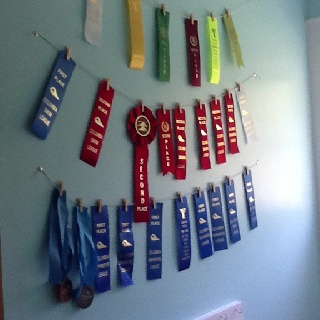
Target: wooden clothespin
239	86
125	204
153	202
179	195
212	15
107	84
79	201
215	98
180	108
213	187
163	8
247	170
61	187
142	106
229	180
163	108
200	104
228	90
68	49
192	19
99	204
228	13
199	192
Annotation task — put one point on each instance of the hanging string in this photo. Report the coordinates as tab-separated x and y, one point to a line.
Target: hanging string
41	170
120	93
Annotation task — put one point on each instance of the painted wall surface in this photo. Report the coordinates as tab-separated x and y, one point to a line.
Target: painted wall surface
313	9
273	270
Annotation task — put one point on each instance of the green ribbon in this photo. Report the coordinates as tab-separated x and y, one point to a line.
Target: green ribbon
163	45
233	39
213	47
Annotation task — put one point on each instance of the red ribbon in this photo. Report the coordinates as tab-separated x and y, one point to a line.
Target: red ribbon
201	120
165	141
181	142
231	124
218	131
98	124
193	52
142	128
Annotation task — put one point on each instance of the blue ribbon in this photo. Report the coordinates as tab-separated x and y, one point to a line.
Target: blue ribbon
125	246
53	96
60	249
183	233
154	242
203	230
217	222
250	199
101	239
86	252
232	211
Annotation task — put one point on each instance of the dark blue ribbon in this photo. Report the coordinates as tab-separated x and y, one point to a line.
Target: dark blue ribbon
60	249
203	230
86	251
154	242
217	222
250	199
53	96
125	246
101	239
232	211
183	233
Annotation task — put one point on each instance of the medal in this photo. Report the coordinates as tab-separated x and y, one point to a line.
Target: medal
85	298
142	128
65	290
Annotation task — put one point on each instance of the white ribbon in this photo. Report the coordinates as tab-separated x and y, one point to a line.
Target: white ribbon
93	21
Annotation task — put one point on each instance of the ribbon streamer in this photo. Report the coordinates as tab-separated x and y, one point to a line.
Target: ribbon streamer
93	23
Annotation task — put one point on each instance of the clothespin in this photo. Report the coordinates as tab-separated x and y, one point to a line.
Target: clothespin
142	106
125	204
192	19
79	201
163	8
163	108
179	106
215	99
199	192
227	12
247	170
213	187
61	187
68	53
228	90
99	204
107	84
179	195
153	202
200	104
229	180
212	15
239	86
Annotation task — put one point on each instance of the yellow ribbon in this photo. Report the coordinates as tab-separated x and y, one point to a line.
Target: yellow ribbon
213	46
136	35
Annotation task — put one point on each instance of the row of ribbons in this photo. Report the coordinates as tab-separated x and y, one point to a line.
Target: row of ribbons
142	127
86	246
93	28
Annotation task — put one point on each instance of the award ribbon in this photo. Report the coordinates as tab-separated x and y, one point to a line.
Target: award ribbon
250	199
136	35
101	240
165	141
213	45
218	131
53	96
232	211
233	39
142	128
231	124
217	222
154	242
60	249
247	123
93	25
125	245
201	120
193	52
98	124
181	142
183	233
203	230
87	257
163	18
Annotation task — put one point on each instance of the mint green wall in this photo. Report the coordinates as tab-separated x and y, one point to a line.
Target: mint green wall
313	9
273	270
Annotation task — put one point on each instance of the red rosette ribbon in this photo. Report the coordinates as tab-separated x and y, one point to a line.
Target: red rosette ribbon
142	129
